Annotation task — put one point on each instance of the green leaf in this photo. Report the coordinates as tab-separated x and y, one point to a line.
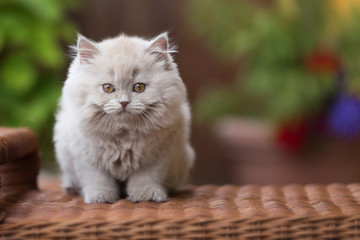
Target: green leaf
18	74
68	32
45	10
2	38
15	23
45	47
37	111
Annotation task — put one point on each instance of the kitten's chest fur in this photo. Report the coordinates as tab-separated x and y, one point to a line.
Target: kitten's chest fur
122	153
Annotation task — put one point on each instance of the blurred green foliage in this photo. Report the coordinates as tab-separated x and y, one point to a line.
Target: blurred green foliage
33	34
275	38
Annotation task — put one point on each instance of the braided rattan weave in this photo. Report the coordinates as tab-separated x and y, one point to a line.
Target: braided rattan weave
199	212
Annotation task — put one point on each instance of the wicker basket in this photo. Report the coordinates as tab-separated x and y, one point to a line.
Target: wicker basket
200	212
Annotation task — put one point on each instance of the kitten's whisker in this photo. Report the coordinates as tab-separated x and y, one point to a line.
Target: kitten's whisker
142	109
148	127
137	120
154	109
160	114
150	119
142	117
138	104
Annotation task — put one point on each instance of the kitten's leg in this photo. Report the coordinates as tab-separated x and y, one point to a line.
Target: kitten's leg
97	185
68	182
145	185
65	160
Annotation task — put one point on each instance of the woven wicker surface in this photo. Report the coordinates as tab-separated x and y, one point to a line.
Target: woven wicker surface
199	212
204	212
197	202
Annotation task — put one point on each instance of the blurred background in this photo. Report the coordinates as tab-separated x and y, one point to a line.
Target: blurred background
274	85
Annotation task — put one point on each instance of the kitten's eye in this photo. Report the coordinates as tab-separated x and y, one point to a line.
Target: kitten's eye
139	87
108	88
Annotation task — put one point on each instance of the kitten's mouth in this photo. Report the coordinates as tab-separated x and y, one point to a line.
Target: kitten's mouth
124	112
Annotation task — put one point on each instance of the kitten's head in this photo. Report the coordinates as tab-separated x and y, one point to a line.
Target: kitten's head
125	82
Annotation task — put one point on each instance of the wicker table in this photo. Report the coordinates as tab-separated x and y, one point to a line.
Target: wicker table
199	212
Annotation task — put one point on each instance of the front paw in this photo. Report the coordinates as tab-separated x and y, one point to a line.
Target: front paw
101	196
147	193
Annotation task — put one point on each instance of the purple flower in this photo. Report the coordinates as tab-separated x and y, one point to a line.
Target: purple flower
344	117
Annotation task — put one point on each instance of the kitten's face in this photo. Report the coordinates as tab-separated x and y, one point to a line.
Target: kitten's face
127	80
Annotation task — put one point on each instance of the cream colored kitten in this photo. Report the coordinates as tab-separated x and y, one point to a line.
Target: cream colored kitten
123	115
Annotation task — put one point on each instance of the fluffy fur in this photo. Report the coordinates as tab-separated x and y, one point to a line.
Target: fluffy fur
99	142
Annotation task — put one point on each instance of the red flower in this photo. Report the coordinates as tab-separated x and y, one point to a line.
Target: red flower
292	136
322	61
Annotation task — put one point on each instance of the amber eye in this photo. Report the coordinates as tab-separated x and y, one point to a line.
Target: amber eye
139	87
108	88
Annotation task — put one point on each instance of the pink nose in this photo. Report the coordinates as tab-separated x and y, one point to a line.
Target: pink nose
124	104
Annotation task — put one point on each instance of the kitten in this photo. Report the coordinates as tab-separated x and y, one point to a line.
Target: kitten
123	115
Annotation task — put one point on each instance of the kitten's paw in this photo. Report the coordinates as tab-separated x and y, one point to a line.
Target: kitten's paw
69	188
101	196
149	193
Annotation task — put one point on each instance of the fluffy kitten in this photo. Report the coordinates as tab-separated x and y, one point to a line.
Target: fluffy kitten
123	116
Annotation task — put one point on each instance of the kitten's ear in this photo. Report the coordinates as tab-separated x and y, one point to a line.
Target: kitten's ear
159	46
86	49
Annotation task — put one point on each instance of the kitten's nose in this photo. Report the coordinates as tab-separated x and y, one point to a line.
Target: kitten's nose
124	103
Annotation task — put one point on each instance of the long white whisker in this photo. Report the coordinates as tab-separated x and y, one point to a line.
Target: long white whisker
142	117
152	119
147	116
156	110
138	120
